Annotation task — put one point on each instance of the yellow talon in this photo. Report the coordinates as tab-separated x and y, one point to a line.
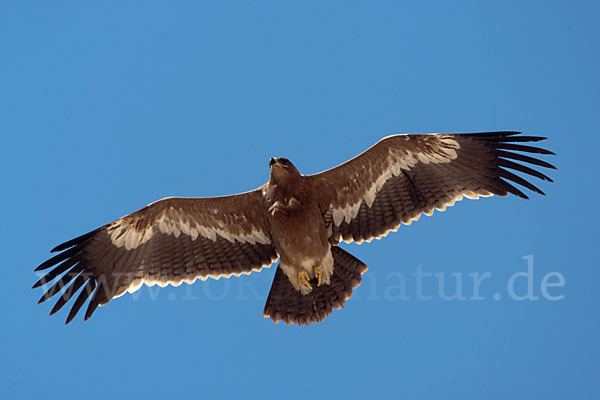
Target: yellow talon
320	275
303	279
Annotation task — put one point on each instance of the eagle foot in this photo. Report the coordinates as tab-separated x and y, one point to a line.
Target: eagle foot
304	282
320	275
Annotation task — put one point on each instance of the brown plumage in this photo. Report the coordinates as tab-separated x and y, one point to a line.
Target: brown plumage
298	218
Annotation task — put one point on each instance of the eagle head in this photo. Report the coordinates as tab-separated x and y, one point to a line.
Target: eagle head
282	169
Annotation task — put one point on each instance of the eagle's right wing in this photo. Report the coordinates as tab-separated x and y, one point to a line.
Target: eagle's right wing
171	241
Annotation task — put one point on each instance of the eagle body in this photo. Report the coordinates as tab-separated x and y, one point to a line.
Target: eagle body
298	219
297	224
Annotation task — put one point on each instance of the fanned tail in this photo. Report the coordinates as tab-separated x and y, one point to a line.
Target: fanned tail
287	304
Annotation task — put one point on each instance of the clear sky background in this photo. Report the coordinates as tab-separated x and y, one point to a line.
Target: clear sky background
106	106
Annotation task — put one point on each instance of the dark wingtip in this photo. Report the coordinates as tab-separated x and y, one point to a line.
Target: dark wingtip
74	241
494	134
58	258
70	317
505	133
54	309
83	295
551	166
46	264
90	310
62	246
530	138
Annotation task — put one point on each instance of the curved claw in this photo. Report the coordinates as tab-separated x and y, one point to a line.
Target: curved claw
303	279
320	275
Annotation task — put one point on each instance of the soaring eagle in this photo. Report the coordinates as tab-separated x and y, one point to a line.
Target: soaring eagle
300	219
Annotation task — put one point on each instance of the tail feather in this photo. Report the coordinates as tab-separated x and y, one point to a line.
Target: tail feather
287	304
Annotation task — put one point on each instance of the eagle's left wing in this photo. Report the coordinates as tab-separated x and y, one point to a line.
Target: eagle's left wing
403	176
171	241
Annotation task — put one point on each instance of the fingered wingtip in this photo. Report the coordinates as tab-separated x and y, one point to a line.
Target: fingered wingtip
40	267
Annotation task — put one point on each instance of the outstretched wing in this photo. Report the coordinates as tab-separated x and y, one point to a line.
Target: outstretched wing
171	241
403	176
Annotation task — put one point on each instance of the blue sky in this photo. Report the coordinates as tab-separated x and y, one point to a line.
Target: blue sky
108	106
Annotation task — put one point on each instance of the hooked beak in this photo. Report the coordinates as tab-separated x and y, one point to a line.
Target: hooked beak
275	161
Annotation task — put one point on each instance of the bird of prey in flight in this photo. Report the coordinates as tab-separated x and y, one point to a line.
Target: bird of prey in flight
298	219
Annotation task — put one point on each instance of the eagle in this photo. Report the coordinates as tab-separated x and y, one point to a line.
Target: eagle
296	218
